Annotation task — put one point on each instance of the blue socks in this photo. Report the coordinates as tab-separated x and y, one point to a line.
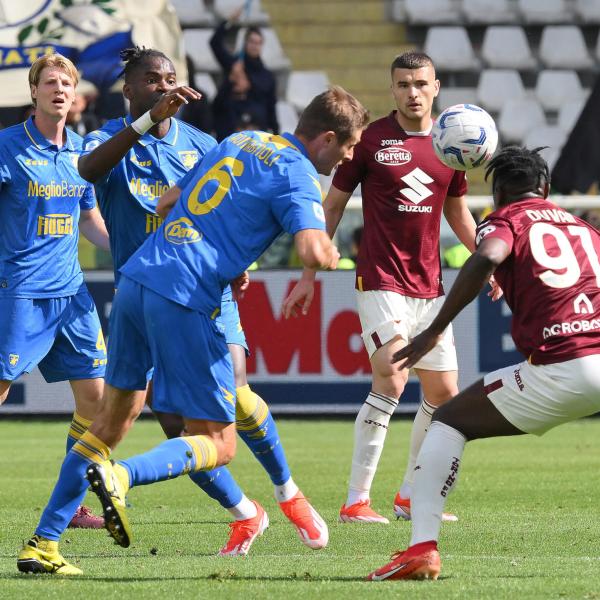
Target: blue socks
71	486
256	427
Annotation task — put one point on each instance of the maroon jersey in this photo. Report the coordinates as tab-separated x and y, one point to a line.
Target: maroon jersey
551	279
404	186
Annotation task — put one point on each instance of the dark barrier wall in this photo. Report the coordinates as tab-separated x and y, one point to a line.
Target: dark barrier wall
314	364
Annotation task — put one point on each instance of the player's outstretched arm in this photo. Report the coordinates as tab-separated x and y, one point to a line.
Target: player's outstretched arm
301	296
473	276
167	201
107	155
92	227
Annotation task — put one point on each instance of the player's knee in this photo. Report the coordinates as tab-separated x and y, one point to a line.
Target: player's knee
225	452
118	413
440	397
391	385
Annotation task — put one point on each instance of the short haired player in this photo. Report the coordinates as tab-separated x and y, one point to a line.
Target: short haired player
405	189
47	317
130	172
228	210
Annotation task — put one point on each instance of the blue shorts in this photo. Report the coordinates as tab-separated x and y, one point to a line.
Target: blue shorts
61	336
229	322
193	372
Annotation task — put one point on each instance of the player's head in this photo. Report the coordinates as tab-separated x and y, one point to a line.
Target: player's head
330	126
414	87
518	173
52	82
253	42
148	75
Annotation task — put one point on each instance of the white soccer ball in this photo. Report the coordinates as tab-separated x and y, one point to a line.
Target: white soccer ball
464	136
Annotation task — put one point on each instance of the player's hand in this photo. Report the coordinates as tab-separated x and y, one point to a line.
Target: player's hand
239	285
334	259
419	346
171	101
300	299
496	292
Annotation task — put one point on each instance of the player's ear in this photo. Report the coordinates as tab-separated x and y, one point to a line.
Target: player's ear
546	188
436	85
127	91
33	90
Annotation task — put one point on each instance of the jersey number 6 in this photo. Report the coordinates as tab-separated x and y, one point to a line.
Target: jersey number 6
218	173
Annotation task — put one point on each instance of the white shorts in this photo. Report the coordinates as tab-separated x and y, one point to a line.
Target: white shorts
536	398
384	315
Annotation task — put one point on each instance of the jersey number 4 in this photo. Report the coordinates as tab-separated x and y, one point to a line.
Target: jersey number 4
563	269
223	177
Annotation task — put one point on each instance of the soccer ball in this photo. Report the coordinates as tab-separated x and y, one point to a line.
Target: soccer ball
464	136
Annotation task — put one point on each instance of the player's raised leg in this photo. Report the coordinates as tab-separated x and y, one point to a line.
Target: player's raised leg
470	415
220	485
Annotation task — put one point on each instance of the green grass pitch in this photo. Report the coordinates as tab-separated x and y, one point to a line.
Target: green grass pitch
529	522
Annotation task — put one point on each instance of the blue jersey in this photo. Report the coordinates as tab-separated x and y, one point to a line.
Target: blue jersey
246	191
129	193
41	194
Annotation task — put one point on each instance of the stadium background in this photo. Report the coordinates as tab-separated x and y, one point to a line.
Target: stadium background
498	54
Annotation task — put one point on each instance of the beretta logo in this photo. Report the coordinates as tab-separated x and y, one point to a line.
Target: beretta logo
393	156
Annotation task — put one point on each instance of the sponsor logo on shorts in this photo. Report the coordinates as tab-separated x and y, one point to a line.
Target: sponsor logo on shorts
13	359
518	379
579	326
393	156
182	231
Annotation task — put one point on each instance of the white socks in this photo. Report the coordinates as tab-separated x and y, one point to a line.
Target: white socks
286	491
419	429
435	477
370	429
245	509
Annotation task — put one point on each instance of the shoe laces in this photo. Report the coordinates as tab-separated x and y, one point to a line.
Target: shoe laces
397	554
299	507
239	528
